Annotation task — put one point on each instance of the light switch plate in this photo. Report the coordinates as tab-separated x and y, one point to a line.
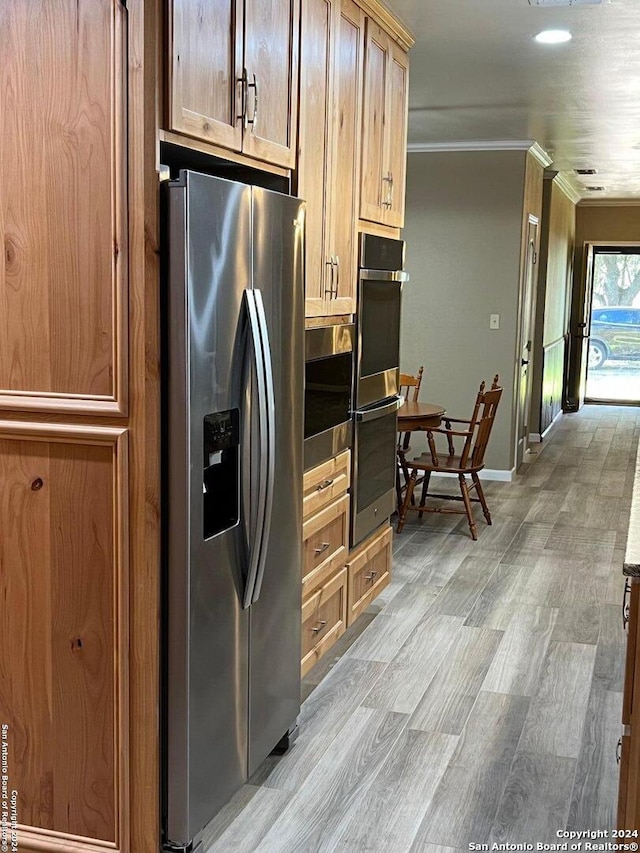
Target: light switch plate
494	321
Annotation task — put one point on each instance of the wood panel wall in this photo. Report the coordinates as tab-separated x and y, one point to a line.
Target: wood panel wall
79	422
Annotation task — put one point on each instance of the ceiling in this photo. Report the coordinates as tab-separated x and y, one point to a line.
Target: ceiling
479	80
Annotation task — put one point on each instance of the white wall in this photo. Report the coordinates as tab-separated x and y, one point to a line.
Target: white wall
463	232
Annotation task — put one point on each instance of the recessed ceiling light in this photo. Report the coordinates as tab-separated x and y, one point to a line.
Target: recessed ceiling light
553	36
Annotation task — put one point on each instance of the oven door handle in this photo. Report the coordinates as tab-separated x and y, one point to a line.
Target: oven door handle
384	275
364	415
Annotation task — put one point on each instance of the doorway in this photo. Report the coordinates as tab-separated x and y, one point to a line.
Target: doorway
613	331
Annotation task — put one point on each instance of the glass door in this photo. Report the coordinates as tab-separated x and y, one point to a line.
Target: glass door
613	354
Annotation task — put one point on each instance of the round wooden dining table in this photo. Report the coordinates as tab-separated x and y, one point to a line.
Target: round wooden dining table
414	415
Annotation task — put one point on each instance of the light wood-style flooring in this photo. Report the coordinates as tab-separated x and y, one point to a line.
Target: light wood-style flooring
479	700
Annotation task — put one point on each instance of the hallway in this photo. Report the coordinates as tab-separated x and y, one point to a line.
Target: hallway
481	700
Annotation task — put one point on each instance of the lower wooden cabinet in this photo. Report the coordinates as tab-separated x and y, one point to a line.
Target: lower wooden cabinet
623	760
369	570
325	540
336	585
324	619
628	750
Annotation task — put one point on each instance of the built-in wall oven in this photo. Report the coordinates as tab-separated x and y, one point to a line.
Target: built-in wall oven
380	281
328	396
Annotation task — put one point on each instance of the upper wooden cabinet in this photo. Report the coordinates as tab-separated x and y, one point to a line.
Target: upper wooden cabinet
332	53
63	207
384	129
233	71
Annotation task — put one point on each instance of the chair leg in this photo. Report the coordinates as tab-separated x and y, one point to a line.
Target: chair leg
425	487
485	508
407	500
467	506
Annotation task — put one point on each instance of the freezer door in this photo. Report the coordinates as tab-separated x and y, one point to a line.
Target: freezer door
208	629
274	663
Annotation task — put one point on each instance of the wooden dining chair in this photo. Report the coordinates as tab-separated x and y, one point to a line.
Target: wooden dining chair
409	388
470	461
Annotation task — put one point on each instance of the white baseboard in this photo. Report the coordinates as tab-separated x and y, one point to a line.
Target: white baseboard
535	438
551	425
486	474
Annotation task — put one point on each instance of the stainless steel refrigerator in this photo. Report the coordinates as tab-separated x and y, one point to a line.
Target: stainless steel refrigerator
233	478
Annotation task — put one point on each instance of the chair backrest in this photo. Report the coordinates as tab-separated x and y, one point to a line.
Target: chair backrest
408	382
481	424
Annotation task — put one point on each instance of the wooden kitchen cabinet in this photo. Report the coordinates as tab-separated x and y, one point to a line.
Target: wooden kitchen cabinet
324	619
64	209
325	546
369	571
331	67
79	423
629	744
332	577
233	75
206	70
384	128
325	483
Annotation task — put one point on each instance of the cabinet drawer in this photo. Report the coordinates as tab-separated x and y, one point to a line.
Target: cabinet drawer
369	572
326	482
324	544
324	618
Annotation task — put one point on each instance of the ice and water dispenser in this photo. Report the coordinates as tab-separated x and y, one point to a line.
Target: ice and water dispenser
221	474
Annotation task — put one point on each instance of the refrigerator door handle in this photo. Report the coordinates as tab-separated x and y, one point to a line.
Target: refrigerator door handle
258	355
270	443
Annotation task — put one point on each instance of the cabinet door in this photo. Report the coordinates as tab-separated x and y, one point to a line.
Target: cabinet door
373	131
205	68
345	184
396	131
63	631
271	62
315	145
63	206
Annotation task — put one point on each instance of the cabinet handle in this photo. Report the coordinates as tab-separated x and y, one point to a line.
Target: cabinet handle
626	606
388	179
322	548
371	576
243	115
335	293
619	751
324	485
329	289
386	202
254	119
319	626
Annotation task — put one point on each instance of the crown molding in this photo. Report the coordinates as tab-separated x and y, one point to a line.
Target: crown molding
538	153
609	202
472	145
530	145
389	21
567	188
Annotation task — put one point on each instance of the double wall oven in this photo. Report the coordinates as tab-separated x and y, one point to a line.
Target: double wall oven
380	281
351	386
